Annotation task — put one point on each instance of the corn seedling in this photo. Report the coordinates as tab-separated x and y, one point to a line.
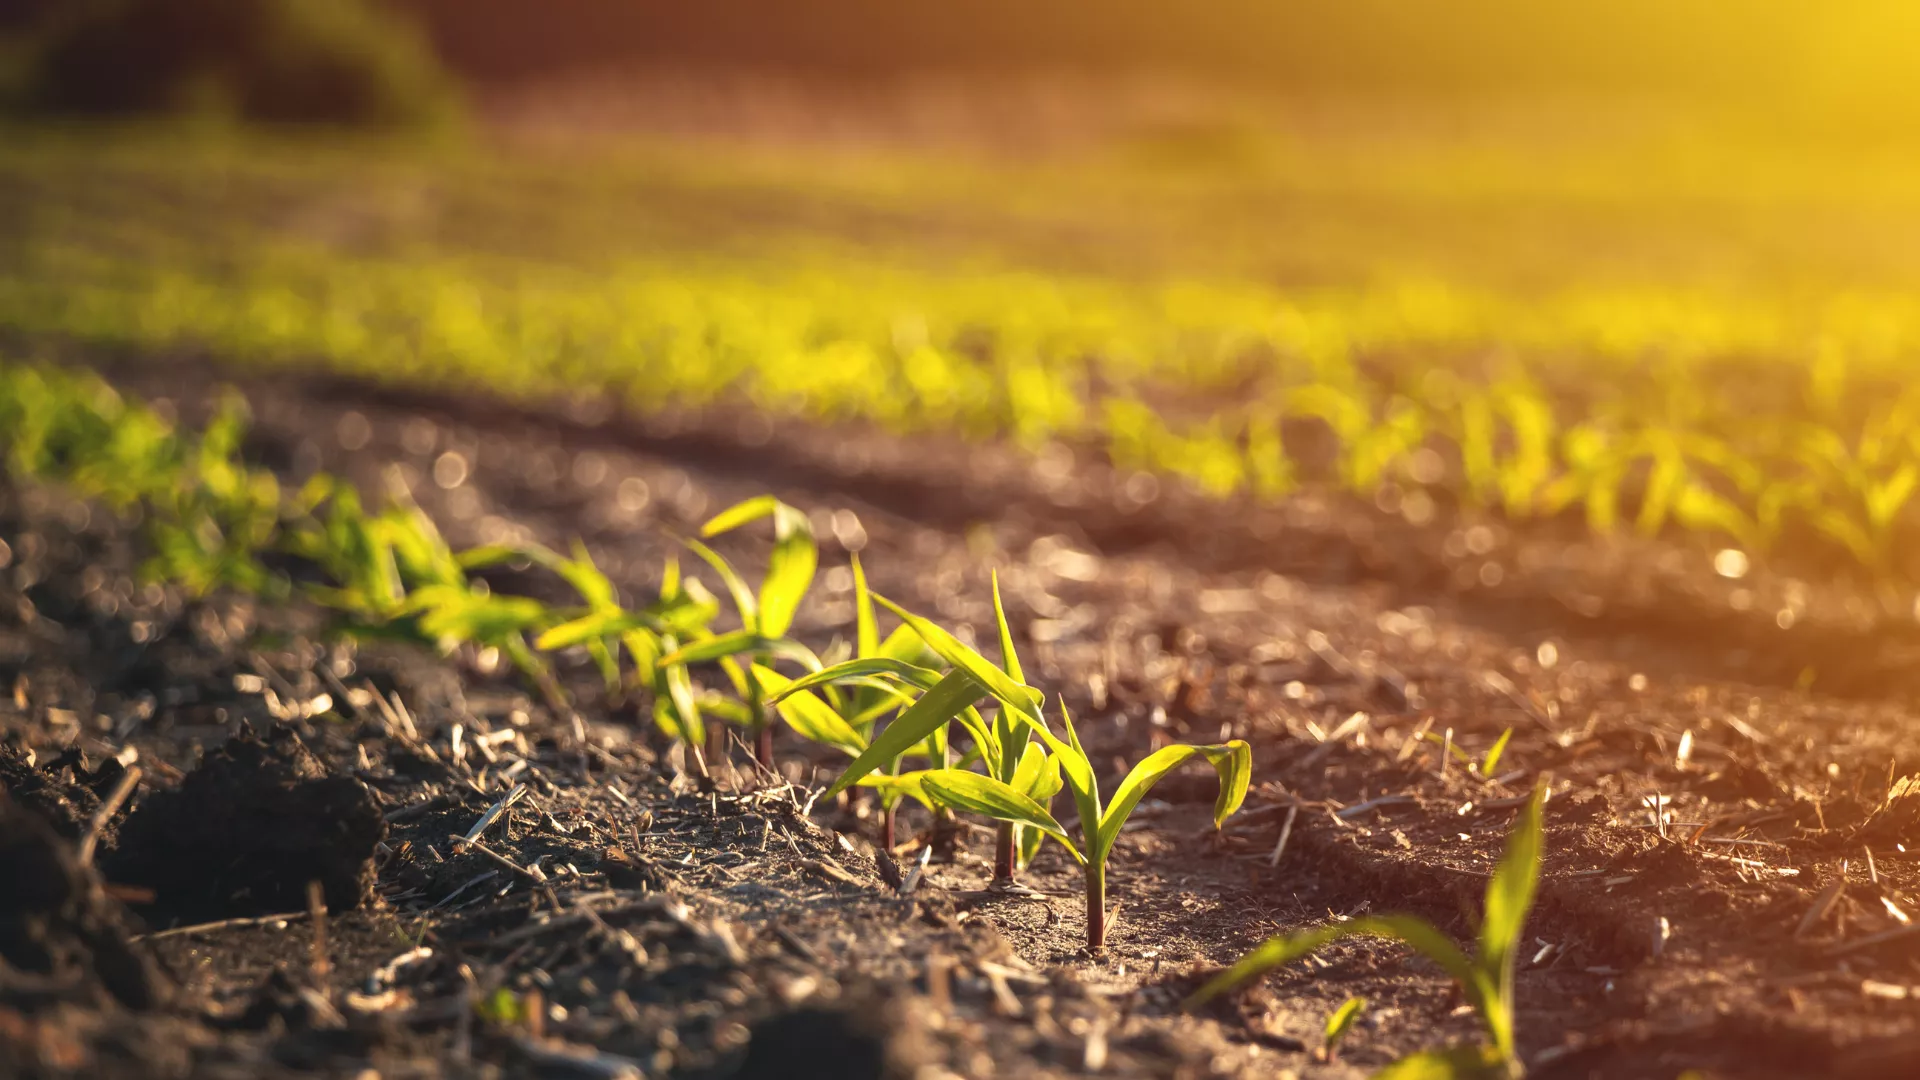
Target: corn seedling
871	699
764	615
1100	822
1488	762
891	671
1338	1024
1485	977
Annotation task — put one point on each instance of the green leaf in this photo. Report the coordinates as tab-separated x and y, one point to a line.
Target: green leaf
742	642
670	580
1459	752
988	797
891	786
486	555
1012	736
1022	698
807	714
1269	955
939	705
850	670
903	644
449	612
1492	760
503	1008
1279	951
1077	771
686	708
1509	898
743	598
1453	1063
1038	777
1029	841
1233	761
587	579
589	628
1009	660
1510	893
986	742
789	570
739	514
1038	774
1341	1022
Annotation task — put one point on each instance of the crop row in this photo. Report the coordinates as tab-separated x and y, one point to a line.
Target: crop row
1760	425
918	713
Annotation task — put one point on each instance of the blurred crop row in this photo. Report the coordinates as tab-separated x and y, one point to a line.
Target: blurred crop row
1770	420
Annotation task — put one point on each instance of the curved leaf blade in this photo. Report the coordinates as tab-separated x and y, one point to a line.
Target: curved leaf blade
1453	1063
1232	761
743	598
1016	695
1280	951
814	719
739	514
991	798
945	700
790	570
1009	660
850	670
740	643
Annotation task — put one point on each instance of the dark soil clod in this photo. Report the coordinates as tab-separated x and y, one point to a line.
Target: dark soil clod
844	1043
248	829
65	792
61	938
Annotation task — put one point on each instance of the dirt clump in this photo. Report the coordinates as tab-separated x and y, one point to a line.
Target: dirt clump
245	832
870	1040
65	790
61	937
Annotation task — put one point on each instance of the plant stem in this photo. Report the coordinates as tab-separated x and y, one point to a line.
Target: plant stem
1003	854
757	711
1096	907
763	746
886	826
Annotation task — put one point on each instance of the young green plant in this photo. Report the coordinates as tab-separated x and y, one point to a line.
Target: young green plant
1019	799
905	662
765	616
1338	1024
1100	823
1485	977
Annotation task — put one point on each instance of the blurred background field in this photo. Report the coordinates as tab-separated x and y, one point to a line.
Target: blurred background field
1650	267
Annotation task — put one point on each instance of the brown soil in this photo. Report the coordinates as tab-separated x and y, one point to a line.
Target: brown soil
1752	927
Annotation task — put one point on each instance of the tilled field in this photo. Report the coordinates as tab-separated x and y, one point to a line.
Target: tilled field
505	891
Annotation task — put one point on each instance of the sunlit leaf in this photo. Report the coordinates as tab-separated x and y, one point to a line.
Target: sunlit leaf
860	668
739	514
1009	691
935	709
1454	1063
991	798
866	630
807	714
1492	761
742	643
1341	1022
1233	761
1280	951
743	599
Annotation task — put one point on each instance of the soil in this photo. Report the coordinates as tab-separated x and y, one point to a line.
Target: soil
1727	884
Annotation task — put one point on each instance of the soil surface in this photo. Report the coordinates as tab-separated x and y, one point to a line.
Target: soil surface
1727	883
